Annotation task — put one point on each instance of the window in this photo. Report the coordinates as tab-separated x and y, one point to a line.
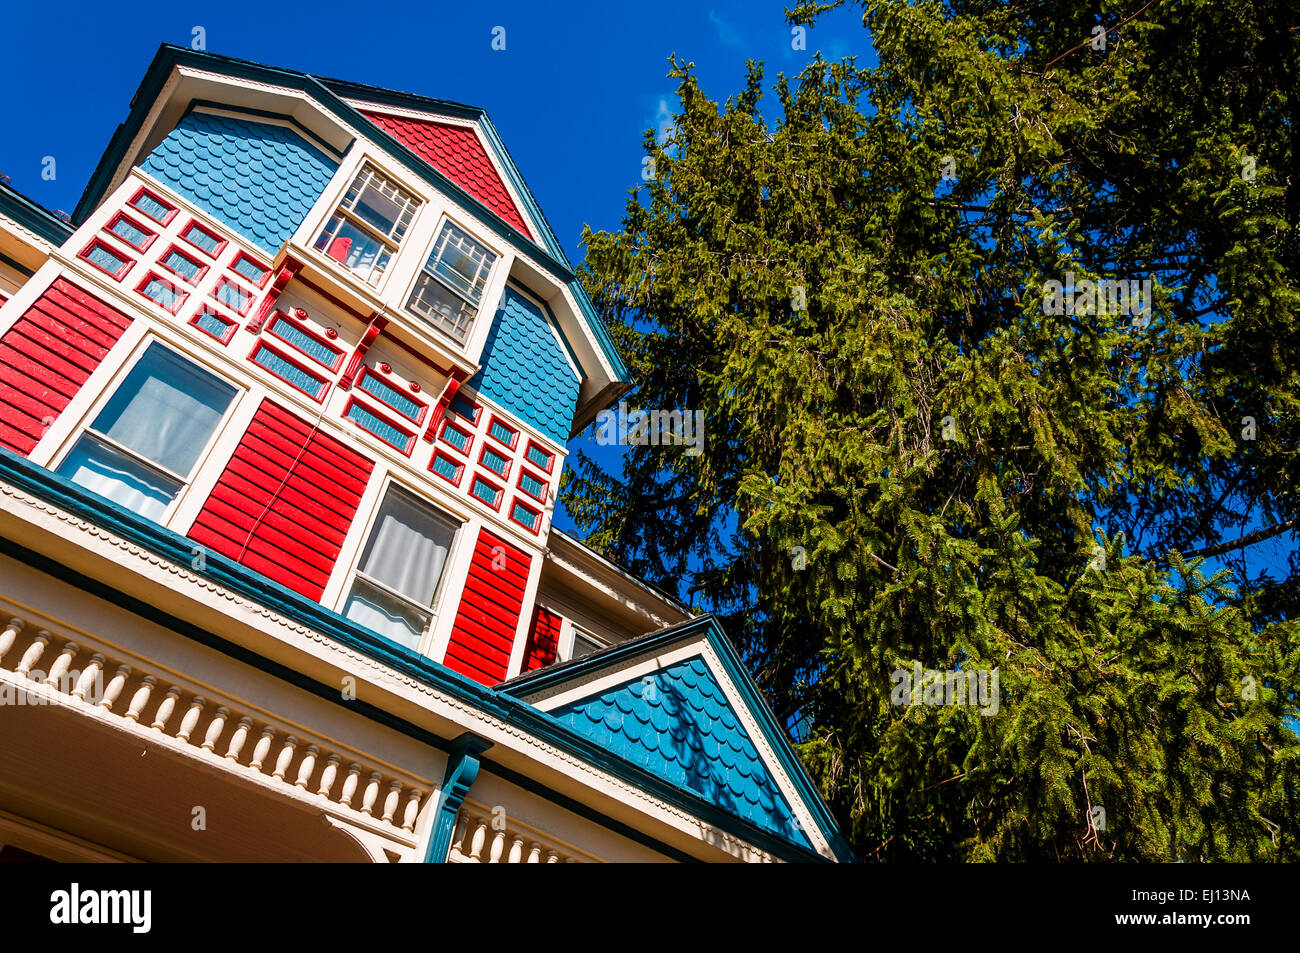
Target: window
131	232
378	388
372	423
218	325
235	298
497	463
248	268
583	644
455	436
485	491
502	433
107	260
294	333
163	293
289	371
142	448
526	516
182	265
396	582
538	456
449	290
532	485
369	225
202	239
158	210
447	468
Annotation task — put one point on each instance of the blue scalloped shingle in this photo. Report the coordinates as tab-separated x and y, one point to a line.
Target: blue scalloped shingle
678	725
525	369
258	178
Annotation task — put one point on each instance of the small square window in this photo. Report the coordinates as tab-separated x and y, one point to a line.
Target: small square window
234	297
163	292
532	484
246	267
182	265
381	427
498	463
209	321
204	240
149	204
458	438
503	433
293	332
447	468
380	389
539	456
107	260
485	491
130	231
526	516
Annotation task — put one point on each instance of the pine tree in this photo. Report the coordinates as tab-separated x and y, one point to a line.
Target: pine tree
912	457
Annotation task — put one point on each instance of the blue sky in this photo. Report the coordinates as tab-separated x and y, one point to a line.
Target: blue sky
571	94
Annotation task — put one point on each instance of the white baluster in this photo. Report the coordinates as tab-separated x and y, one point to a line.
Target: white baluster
9	636
552	857
33	653
412	809
535	853
165	709
140	698
390	802
516	851
498	847
115	686
286	756
215	727
350	784
191	719
328	774
458	834
307	768
480	835
372	794
89	675
262	748
239	739
61	664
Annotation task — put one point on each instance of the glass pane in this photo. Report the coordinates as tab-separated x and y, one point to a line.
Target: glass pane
381	613
583	645
166	410
408	547
440	307
112	474
351	246
375	208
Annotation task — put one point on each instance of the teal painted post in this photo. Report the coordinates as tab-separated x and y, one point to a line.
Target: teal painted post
462	769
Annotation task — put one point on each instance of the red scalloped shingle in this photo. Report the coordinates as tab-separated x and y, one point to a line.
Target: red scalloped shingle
456	152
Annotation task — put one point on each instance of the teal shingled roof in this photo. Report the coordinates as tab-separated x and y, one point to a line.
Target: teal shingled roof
260	179
678	725
525	371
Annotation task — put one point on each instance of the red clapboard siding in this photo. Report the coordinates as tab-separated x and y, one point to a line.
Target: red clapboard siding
484	631
543	639
315	483
46	357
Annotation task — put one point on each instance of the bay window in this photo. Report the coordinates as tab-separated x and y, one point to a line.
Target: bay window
396	582
449	289
366	230
143	446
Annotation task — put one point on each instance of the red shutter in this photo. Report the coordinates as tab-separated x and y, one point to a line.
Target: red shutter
46	357
285	501
489	611
543	639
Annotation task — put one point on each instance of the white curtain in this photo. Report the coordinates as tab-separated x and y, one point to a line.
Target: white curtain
408	547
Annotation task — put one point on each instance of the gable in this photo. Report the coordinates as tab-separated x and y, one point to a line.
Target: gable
678	724
259	178
457	153
525	369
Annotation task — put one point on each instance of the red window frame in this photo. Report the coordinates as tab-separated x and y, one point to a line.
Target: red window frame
483	451
370	372
245	256
152	276
226	280
171	209
514	432
297	322
221	242
469	437
151	235
127	262
162	263
206	308
278	352
501	493
410	437
546	484
459	465
550	457
537	514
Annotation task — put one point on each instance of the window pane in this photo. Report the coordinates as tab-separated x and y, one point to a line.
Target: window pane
381	613
166	410
377	209
351	246
112	474
408	547
444	310
583	645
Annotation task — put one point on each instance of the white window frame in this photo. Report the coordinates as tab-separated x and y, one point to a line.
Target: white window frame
366	164
444	222
574	632
83	425
358	549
